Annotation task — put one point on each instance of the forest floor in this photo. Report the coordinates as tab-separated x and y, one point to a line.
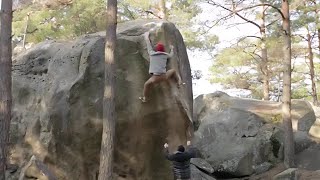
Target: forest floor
302	174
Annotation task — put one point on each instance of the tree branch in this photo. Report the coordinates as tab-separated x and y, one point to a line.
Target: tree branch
30	32
272	22
150	12
249	37
251	7
233	11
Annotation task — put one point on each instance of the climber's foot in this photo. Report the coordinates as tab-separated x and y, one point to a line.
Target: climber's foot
143	99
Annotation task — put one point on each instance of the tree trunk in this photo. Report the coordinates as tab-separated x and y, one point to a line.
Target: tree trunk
319	38
107	142
5	81
264	57
25	31
286	99
317	11
163	9
311	66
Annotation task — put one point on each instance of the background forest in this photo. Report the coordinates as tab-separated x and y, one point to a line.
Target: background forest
268	48
251	61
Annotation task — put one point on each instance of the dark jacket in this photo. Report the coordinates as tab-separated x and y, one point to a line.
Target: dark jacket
180	163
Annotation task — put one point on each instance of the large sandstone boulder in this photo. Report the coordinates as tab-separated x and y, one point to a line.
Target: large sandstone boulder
239	137
303	115
57	114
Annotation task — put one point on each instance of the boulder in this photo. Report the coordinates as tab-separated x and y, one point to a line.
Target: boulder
202	164
303	115
36	169
315	128
302	141
289	174
240	137
196	174
309	158
261	168
57	114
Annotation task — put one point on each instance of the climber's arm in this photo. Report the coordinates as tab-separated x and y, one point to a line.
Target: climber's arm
149	47
190	150
166	152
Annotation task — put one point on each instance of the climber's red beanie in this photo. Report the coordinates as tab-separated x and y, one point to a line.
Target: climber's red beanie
160	47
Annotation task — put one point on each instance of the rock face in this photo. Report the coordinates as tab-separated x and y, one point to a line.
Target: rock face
315	129
57	114
238	137
289	174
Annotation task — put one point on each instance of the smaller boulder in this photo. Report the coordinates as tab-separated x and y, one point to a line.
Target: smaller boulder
261	168
35	169
199	175
289	174
202	164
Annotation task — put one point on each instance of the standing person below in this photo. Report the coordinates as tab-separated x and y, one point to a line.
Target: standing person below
180	161
158	67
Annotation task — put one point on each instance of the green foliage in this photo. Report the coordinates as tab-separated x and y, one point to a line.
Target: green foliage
232	66
276	119
300	92
82	17
62	22
181	12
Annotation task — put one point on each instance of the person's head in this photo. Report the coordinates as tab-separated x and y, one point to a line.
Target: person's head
180	148
160	47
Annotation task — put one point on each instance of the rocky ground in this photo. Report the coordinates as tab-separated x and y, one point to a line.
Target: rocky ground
302	174
307	163
243	139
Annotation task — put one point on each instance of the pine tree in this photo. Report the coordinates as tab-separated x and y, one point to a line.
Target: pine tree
286	98
107	143
5	82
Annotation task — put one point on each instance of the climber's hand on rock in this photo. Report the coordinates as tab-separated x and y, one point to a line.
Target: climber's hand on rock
188	143
171	47
166	145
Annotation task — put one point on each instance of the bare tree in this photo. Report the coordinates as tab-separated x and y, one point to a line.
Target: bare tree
264	55
308	20
25	31
286	98
311	67
263	65
107	142
317	11
5	81
163	9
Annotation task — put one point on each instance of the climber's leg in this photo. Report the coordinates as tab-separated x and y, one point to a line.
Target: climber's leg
173	74
154	79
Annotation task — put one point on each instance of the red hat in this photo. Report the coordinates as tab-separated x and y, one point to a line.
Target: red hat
160	47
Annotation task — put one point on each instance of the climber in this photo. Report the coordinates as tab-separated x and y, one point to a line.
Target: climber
158	67
180	161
